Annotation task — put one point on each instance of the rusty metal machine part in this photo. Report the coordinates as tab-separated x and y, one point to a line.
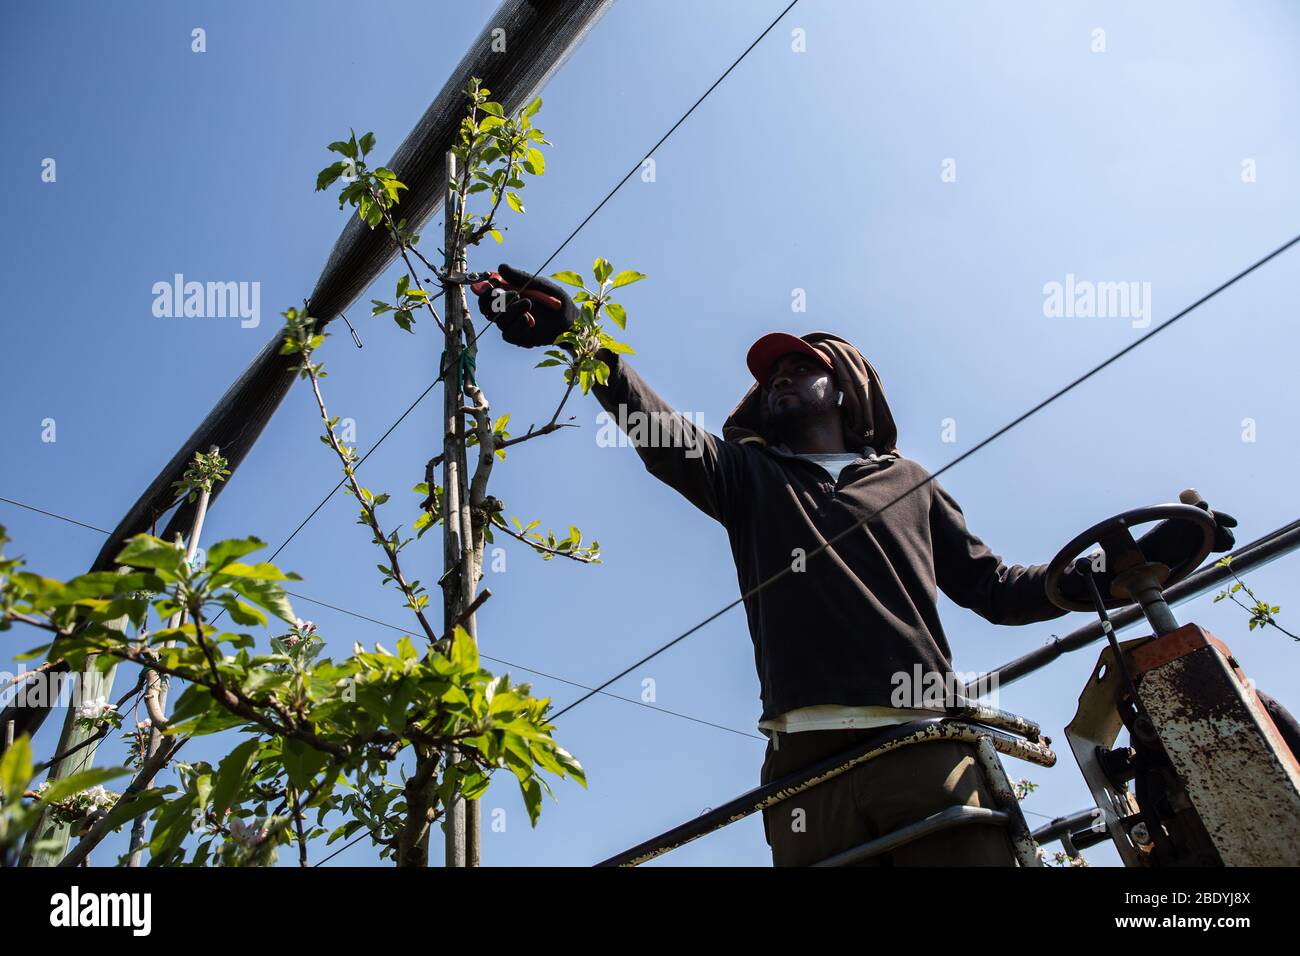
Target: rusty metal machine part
1239	778
1213	781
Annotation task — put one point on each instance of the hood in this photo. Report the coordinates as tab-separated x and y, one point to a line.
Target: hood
866	414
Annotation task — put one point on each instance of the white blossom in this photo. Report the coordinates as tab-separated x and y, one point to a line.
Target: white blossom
95	709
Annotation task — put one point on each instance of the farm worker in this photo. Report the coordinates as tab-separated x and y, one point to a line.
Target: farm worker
809	451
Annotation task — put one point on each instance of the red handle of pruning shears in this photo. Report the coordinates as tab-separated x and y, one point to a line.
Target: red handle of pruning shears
537	295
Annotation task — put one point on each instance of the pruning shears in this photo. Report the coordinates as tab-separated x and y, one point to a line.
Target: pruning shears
480	282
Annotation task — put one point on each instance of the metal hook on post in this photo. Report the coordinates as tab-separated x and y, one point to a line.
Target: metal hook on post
355	338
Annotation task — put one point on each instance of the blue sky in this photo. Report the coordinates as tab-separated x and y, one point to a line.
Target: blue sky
818	170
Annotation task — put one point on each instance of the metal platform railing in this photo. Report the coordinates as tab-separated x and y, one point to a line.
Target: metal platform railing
995	732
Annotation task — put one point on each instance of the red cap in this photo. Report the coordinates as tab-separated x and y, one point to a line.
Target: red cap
764	353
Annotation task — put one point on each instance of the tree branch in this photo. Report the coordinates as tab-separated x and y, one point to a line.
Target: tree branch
367	509
498	523
138	785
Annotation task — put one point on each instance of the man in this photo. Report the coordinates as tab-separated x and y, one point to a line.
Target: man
809	452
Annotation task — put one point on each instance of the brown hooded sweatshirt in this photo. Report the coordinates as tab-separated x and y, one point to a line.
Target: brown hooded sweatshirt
862	611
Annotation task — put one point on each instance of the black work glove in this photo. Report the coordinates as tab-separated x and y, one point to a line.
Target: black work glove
1172	542
537	317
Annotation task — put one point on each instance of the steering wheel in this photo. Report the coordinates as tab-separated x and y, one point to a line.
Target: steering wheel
1125	555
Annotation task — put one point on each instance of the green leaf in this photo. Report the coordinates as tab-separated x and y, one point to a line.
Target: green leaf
232	549
348	149
618	348
67	786
568	278
240	612
532	793
267	594
260	679
617	313
536	162
464	653
329	174
99	584
627	277
602	268
255	572
146	551
302	762
570	764
231	776
127	809
515	202
531	109
16	769
367	143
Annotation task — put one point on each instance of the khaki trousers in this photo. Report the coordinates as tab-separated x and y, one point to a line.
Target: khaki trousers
877	797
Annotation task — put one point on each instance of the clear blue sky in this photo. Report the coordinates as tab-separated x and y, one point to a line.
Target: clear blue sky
818	170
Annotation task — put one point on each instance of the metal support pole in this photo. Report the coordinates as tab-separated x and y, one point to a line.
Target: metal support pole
935	823
157	684
88	685
459	573
1145	589
1022	842
453	535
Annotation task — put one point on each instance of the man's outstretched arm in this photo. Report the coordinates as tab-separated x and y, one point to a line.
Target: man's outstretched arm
973	576
976	578
677	450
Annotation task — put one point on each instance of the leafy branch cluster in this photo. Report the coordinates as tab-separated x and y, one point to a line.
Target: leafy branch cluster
494	151
202	474
320	737
1261	612
587	337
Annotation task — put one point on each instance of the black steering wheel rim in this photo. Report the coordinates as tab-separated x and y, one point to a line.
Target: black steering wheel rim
1112	528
